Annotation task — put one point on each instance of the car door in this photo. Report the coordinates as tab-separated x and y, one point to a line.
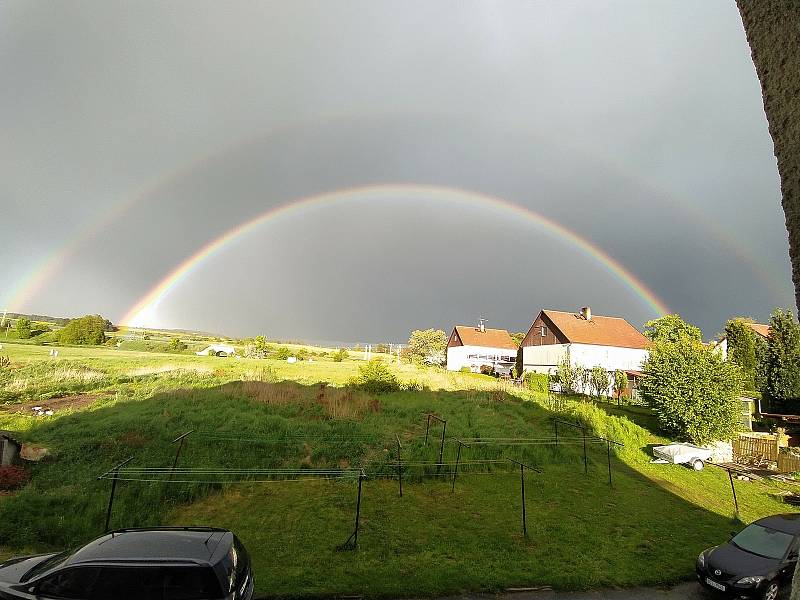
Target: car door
789	563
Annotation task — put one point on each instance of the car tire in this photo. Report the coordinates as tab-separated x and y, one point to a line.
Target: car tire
697	464
771	591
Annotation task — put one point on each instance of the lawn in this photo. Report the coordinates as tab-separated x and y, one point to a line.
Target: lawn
646	529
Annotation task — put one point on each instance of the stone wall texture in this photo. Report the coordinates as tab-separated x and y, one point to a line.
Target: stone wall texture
773	32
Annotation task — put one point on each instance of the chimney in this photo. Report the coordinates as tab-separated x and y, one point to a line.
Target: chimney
586	312
482	326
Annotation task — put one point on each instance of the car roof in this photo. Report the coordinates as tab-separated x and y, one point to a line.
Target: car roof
788	522
185	544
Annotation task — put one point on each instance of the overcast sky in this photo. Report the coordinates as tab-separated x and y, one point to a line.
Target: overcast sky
135	133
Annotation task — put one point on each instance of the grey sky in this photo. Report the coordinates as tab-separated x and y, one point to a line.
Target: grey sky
638	125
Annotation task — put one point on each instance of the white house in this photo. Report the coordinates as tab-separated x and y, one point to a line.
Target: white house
585	340
758	328
473	347
217	350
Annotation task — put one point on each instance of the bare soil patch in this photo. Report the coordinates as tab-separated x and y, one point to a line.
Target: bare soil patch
55	404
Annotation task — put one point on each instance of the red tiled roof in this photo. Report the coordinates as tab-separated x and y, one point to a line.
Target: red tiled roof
760	329
489	338
600	331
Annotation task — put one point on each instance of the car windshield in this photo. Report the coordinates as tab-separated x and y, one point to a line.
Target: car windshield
46	565
763	541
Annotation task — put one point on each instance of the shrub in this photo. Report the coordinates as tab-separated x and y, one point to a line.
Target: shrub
465	370
413	386
340	355
5	362
13	477
537	382
176	345
88	330
24	328
376	378
282	353
487	370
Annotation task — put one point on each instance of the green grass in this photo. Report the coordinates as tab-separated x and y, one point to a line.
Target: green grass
647	529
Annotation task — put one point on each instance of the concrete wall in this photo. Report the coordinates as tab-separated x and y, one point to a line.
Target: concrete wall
773	32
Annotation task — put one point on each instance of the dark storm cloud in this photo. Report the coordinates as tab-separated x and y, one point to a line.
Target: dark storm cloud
638	126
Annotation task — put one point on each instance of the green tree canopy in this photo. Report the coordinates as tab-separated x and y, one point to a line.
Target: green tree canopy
176	345
694	393
427	344
88	330
517	337
783	357
671	328
24	328
742	348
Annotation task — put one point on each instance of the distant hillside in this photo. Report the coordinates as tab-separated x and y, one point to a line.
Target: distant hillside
41	318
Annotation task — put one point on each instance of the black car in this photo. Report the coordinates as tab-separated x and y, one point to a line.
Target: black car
167	563
756	562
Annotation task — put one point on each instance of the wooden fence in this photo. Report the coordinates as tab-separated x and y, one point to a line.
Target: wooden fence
788	463
746	447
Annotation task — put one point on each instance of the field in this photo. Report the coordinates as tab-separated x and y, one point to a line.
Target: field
112	404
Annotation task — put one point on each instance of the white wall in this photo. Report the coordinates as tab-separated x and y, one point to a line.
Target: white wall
545	359
473	357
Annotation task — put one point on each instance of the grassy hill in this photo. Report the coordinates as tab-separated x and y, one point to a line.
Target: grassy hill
646	529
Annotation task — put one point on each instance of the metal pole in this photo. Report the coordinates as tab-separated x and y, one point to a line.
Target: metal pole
555	423
111	500
455	472
358	509
733	489
399	465
175	462
608	448
441	447
427	428
522	480
585	460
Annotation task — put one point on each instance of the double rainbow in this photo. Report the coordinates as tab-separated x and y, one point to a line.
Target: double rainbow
143	312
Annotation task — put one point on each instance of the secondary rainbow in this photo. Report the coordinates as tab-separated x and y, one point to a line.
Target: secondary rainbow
144	309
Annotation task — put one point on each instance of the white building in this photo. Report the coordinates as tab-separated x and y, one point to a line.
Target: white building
585	340
473	347
217	350
758	328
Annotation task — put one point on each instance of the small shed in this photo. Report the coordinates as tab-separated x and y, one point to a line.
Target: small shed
9	448
217	350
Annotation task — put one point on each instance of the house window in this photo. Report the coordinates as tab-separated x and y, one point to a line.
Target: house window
544	331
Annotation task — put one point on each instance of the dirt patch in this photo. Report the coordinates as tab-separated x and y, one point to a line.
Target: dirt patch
55	404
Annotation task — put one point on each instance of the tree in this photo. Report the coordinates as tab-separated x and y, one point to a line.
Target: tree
620	384
517	337
600	380
88	330
339	355
783	357
585	379
693	392
742	348
671	328
24	328
567	377
428	344
176	345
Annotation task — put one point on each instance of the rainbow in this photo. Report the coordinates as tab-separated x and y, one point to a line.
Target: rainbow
143	312
28	287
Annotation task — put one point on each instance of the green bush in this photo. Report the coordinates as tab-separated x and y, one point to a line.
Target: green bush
340	355
465	370
376	378
537	382
282	353
176	345
88	330
487	370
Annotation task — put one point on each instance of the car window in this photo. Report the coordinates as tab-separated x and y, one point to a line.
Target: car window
129	583
70	583
763	541
190	583
46	565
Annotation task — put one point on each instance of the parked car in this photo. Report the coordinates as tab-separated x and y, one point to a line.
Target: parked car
165	563
754	563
